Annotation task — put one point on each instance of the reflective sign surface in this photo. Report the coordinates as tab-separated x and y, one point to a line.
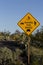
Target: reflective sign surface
28	23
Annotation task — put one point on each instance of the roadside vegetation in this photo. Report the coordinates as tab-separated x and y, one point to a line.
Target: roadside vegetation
11	55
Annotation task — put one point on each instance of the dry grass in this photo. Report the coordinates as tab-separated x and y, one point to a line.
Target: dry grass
36	51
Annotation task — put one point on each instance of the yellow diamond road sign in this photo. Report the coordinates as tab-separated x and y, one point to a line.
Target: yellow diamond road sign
28	23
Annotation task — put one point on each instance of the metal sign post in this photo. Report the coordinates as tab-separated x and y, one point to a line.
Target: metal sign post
29	52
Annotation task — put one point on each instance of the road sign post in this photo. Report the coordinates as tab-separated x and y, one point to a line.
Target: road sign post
29	51
28	24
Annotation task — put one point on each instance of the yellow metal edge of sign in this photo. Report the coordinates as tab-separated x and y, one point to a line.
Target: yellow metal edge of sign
23	18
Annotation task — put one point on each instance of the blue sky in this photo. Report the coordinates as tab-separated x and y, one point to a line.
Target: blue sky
11	11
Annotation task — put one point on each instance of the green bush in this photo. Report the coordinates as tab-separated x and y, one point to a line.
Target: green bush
36	60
